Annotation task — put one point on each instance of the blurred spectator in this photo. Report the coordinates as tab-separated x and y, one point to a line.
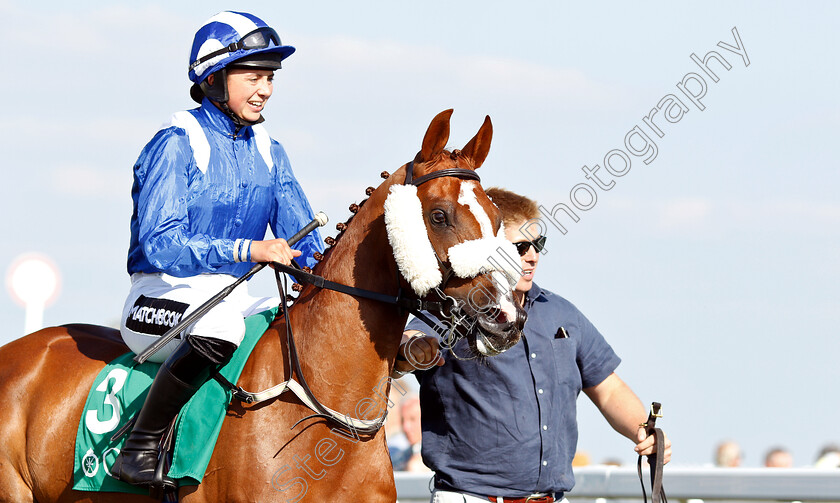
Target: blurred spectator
408	458
778	457
728	455
581	459
394	436
829	457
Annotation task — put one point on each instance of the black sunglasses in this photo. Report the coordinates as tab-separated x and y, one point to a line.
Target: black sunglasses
257	39
523	246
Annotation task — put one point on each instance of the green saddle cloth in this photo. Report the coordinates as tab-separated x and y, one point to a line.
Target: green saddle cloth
118	393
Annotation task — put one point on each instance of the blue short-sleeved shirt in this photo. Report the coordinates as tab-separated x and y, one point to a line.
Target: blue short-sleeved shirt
506	425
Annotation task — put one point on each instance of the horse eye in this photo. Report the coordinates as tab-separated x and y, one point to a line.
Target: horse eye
438	217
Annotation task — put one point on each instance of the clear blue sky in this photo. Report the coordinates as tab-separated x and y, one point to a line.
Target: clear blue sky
713	270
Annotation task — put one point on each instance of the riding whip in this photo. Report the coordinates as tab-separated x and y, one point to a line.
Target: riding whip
319	220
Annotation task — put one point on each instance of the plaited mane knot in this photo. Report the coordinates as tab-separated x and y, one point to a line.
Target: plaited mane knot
342	226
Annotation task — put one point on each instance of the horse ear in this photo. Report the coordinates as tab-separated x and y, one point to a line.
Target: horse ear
436	136
479	146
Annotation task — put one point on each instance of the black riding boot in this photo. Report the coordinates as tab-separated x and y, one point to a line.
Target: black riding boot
180	376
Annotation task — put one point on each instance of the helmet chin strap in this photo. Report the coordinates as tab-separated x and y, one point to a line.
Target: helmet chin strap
239	121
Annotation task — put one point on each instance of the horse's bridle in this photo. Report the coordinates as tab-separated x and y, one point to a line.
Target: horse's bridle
414	305
448	337
463	174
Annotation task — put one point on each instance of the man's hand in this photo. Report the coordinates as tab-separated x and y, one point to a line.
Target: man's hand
421	352
273	250
624	411
646	444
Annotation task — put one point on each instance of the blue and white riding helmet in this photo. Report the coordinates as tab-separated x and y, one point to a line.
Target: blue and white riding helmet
229	39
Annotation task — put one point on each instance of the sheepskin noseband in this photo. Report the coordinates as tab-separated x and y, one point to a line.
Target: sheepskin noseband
488	254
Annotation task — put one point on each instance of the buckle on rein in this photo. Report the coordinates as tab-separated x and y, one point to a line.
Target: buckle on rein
444	298
655	413
656	409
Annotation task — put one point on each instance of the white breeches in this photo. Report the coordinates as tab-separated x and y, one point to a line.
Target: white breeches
157	302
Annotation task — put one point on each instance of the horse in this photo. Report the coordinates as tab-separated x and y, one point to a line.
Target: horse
276	450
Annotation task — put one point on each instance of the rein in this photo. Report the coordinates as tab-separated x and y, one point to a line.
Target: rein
655	460
415	306
411	304
301	389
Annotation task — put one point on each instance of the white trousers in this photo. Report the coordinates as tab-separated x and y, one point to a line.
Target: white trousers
157	302
452	497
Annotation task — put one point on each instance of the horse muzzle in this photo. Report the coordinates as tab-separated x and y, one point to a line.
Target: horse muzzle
499	330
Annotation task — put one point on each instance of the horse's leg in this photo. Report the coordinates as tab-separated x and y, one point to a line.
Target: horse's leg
13	489
15	477
44	381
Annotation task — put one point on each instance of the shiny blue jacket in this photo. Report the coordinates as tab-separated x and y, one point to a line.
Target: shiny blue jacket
200	184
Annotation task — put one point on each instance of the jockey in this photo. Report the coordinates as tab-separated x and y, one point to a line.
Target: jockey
205	188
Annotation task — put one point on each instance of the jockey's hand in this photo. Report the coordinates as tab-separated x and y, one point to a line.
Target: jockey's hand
421	352
647	444
273	250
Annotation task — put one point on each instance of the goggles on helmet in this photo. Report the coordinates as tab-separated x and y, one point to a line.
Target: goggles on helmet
257	39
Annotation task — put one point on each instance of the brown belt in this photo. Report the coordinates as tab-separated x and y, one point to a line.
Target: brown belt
529	499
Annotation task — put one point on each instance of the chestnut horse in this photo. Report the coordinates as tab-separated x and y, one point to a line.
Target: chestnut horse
347	346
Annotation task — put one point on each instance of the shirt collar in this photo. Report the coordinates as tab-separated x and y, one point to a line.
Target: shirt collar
532	295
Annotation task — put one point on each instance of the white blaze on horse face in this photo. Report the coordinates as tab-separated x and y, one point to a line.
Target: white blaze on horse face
490	252
468	198
506	299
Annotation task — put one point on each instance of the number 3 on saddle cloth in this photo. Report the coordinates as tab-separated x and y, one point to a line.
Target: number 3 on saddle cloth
118	393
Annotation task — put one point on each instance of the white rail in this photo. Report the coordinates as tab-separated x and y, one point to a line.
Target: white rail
708	484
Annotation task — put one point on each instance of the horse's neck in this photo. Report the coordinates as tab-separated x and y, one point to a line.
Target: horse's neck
346	345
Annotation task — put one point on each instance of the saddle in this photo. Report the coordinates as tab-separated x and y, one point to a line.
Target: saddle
117	394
